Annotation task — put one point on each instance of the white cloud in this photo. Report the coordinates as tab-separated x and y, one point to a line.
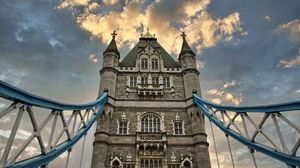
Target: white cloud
292	29
12	76
93	58
200	64
267	18
297	91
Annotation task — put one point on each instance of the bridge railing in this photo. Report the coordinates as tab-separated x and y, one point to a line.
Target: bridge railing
260	128
66	125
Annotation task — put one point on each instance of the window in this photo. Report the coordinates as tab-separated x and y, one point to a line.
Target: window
155	80
166	82
178	128
187	164
144	80
122	127
132	81
154	64
150	123
144	63
116	164
153	163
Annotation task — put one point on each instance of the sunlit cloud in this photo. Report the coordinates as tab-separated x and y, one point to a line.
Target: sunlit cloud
216	100
223	94
293	62
110	2
230	84
292	29
297	91
215	92
203	30
72	3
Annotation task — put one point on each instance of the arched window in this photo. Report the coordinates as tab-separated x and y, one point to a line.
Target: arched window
144	63
116	164
187	164
150	123
154	64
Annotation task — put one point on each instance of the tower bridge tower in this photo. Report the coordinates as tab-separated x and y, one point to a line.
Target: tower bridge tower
150	119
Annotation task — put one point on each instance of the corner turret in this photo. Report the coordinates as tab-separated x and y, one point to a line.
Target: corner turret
108	72
187	56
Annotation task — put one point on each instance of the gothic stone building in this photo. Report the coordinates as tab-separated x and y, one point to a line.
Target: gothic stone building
150	120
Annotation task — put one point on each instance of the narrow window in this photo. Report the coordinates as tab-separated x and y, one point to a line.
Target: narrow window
133	81
144	63
154	64
178	128
122	127
166	82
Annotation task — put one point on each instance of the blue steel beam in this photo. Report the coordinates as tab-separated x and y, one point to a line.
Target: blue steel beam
290	106
12	93
15	94
288	159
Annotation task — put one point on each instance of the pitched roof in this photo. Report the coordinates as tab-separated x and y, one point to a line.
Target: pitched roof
130	59
112	47
185	46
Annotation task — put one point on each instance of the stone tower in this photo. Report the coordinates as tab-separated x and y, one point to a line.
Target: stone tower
150	119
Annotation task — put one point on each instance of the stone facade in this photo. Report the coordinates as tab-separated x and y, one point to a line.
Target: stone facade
150	119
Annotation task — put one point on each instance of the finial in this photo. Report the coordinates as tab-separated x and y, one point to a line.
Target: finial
183	35
114	34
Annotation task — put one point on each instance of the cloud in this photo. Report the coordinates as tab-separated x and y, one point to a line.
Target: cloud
93	58
236	100
216	100
297	91
230	84
224	94
215	92
21	134
12	76
200	64
72	3
190	16
292	62
292	29
110	2
267	18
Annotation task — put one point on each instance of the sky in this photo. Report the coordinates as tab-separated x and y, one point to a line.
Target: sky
248	52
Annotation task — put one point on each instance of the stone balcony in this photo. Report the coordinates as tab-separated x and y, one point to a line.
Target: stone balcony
151	137
150	89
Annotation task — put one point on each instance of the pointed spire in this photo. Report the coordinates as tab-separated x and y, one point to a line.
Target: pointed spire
185	46
112	47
